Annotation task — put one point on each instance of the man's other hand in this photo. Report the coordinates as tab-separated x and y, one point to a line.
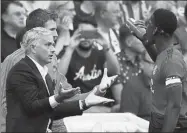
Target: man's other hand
92	99
68	93
106	81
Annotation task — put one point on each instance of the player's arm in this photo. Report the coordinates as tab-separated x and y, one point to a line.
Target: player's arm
173	73
174	99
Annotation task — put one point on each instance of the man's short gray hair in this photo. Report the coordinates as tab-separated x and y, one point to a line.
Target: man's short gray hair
32	36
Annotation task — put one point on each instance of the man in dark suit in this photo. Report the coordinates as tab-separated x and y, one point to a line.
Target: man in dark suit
31	103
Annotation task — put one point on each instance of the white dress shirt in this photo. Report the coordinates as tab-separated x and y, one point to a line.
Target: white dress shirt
53	103
43	71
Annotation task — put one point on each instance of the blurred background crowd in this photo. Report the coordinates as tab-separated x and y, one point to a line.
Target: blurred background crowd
83	65
139	10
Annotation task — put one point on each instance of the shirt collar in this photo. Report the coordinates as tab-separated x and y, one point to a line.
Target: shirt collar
43	70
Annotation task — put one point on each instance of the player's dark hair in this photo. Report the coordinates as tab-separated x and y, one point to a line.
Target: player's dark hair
165	20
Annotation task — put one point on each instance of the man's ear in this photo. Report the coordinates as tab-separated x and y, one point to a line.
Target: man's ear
4	17
102	13
155	31
33	48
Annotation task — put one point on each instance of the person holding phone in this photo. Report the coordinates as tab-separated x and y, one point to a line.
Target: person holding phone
85	64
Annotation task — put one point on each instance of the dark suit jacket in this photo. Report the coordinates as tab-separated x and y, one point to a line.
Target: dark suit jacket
28	107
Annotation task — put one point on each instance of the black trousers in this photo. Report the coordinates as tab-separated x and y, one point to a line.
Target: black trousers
156	123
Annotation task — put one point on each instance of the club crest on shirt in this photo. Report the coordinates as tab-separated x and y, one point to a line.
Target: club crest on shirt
155	69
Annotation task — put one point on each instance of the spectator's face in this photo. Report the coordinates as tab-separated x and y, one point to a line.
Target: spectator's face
112	13
86	44
51	25
44	51
134	44
15	16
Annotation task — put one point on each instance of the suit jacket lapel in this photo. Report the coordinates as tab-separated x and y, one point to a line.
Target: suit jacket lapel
39	76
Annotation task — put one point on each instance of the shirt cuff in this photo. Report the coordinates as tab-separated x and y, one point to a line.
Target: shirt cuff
53	102
80	105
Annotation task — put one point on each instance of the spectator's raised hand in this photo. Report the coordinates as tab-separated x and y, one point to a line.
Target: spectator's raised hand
64	22
75	39
101	41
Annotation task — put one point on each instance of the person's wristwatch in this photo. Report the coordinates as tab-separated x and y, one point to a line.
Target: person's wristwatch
84	106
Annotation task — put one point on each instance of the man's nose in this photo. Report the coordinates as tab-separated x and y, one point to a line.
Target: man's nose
52	49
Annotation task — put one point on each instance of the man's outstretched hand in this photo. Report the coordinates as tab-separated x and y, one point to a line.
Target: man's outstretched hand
68	93
106	81
92	99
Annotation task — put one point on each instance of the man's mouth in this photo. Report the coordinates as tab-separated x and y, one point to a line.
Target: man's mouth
21	22
50	56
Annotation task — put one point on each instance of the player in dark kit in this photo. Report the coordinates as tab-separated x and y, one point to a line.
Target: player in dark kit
169	101
169	84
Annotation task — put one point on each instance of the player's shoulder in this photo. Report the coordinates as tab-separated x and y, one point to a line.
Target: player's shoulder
173	53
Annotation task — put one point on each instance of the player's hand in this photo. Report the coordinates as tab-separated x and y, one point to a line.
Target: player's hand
140	24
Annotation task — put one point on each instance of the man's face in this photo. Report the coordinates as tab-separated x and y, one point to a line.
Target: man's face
44	50
51	25
113	13
15	16
134	44
86	44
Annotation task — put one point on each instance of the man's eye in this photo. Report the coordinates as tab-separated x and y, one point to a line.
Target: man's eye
48	44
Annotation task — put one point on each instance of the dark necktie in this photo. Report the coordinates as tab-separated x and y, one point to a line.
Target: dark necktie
49	84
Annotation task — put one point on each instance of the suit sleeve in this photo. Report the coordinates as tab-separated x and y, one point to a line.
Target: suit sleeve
66	109
23	85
